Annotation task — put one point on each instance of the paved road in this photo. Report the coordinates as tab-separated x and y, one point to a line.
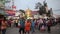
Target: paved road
54	30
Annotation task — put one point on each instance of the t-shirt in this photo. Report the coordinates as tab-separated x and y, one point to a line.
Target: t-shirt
33	23
22	23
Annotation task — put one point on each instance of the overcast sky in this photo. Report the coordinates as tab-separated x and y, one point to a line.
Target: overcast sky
24	4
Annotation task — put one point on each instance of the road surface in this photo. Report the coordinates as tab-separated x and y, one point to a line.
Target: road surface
54	30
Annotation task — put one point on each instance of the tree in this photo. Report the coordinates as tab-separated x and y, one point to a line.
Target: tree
2	1
38	5
22	11
48	14
41	8
45	4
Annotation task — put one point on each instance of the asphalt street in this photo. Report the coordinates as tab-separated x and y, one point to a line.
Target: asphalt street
54	30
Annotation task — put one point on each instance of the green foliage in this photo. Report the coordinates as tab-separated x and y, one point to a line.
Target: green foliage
22	11
41	8
2	1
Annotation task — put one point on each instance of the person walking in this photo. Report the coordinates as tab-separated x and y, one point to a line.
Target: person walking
33	25
9	22
36	23
27	26
0	25
49	24
40	24
3	26
22	25
16	22
1	18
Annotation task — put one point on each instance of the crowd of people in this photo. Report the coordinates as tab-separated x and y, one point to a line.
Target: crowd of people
27	25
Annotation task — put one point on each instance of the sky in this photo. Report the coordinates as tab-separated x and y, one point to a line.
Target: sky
24	4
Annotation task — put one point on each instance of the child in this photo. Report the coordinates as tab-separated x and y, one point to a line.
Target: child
27	26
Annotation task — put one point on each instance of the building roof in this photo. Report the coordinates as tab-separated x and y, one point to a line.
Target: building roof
34	12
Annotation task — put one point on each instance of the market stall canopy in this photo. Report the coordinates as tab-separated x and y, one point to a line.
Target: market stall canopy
10	12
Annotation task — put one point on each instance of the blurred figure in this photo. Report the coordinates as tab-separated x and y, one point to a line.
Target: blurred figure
22	25
12	23
36	24
40	23
59	20
1	18
16	22
27	26
42	29
9	22
3	25
0	25
44	22
49	24
33	25
53	22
